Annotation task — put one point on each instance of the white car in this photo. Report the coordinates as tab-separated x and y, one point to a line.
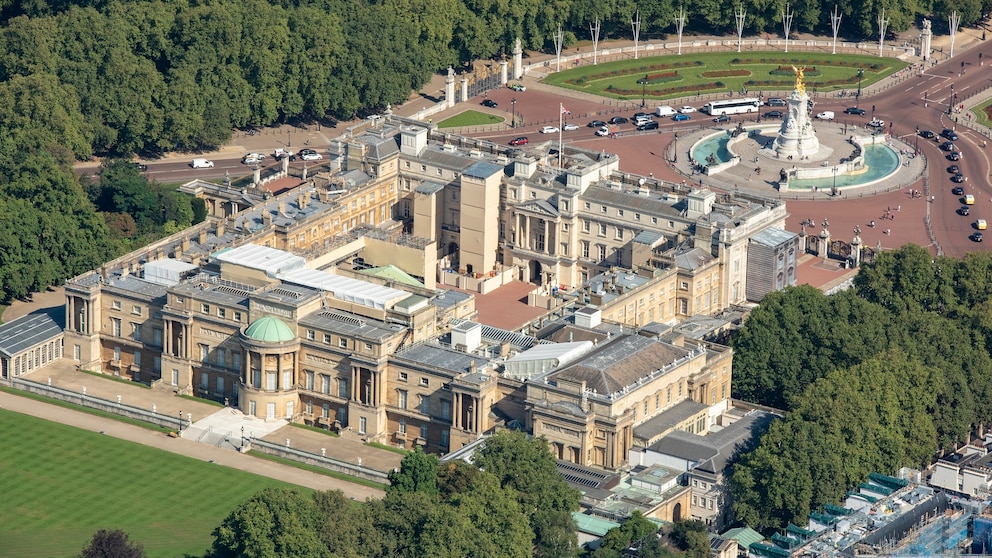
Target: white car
253	159
687	109
825	115
202	164
570	127
549	130
310	155
876	123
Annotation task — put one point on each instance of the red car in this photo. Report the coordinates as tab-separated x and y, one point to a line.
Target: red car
520	141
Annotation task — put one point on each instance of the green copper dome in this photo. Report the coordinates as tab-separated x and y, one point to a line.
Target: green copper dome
270	329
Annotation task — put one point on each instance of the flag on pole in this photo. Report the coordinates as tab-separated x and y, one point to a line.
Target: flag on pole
565	110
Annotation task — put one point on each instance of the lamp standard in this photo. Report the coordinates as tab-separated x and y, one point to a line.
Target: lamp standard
861	73
917	148
676	159
513	108
180	423
242	436
644	87
950	100
834	189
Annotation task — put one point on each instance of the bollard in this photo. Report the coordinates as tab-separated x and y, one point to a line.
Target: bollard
359	461
49	381
84	391
287	442
154	408
323	452
118	399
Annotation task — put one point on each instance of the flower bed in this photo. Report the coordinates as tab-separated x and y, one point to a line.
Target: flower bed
726	73
633	71
876	67
667	90
788	71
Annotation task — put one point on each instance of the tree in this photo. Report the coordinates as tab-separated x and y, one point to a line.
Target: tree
691	537
114	543
634	529
273	523
417	473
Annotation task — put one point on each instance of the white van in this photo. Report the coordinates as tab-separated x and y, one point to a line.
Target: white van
202	164
825	115
665	111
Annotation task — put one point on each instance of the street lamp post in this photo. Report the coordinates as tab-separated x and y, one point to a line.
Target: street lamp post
644	87
861	73
242	436
513	107
917	149
950	100
676	158
180	423
834	189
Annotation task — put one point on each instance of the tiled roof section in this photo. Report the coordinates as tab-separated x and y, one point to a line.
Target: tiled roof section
620	363
693	259
667	420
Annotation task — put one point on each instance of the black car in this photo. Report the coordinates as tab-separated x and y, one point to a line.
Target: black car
776	102
618	120
947	146
140	167
953	156
927	134
774	114
957	191
949	134
489	103
722	118
959	178
650	125
596	124
953	169
977	236
965	210
855	110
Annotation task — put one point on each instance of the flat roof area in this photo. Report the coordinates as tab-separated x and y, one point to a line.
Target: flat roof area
30	330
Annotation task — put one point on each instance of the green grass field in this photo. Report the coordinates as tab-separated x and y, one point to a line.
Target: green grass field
60	485
620	79
469	118
981	113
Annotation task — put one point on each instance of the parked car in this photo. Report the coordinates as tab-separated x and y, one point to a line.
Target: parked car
549	130
927	134
569	127
490	103
618	120
516	87
953	156
953	169
649	125
680	117
855	110
253	159
958	178
686	109
596	124
722	118
140	167
776	102
519	141
202	164
949	134
876	123
774	114
957	191
825	115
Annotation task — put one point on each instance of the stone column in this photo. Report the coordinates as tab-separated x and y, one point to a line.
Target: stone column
518	60
824	243
503	72
856	247
449	88
547	238
257	176
456	409
925	37
464	89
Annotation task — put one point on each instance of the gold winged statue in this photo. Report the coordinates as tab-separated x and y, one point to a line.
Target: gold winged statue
800	86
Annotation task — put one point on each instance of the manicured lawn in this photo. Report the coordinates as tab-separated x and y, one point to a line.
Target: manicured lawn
982	111
678	76
60	485
470	118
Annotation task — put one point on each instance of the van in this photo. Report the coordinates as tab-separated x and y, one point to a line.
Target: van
607	130
825	115
981	224
202	164
969	199
665	111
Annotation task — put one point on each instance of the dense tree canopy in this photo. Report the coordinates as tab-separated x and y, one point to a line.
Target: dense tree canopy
115	543
873	379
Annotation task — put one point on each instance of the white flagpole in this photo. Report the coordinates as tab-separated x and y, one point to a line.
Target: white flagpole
561	122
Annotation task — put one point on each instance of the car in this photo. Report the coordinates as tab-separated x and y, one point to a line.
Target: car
981	224
965	210
253	159
140	167
953	156
680	117
947	146
310	155
976	236
687	109
596	124
490	103
776	102
641	116
722	118
569	127
519	141
618	120
825	115
949	134
282	153
958	178
927	134
969	199
516	87
774	114
549	130
876	123
202	164
957	191
649	125
855	110
953	169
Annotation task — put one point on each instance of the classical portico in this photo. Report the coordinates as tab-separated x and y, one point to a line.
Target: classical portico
269	379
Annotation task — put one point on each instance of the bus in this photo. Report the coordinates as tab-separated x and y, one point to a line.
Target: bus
732	106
